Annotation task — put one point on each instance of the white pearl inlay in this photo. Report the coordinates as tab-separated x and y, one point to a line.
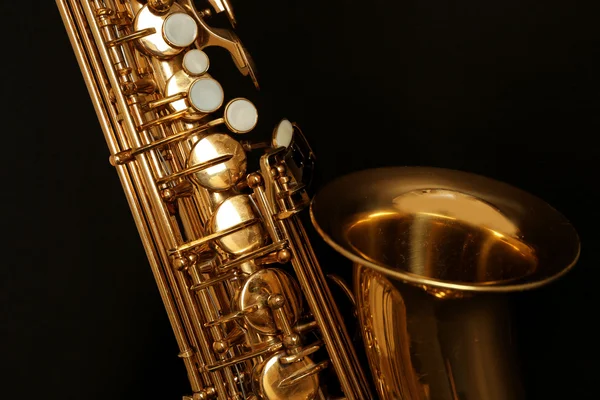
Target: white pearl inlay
241	115
206	95
283	134
180	29
195	62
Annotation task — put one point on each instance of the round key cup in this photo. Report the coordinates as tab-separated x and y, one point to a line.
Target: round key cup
283	134
241	116
180	29
206	95
195	62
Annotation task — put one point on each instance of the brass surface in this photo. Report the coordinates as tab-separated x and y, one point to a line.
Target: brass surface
446	229
232	211
267	378
155	44
160	6
256	291
434	253
426	347
248	301
225	175
234	271
179	82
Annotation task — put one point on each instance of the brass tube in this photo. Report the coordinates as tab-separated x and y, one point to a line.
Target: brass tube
211	244
68	12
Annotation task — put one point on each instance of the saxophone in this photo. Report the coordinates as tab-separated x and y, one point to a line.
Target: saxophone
249	304
242	287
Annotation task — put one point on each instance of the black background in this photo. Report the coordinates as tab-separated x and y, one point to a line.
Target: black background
506	89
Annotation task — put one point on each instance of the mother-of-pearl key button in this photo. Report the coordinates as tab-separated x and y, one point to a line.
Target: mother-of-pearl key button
206	95
241	115
195	62
283	134
180	29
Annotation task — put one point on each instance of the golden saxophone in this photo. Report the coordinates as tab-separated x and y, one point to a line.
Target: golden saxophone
249	304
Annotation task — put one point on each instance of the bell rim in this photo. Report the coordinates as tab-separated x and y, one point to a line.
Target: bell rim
504	286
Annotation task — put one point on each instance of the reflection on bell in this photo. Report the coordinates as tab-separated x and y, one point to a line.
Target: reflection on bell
446	235
432	251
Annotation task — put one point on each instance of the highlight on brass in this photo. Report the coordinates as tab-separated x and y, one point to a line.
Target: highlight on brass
433	250
248	300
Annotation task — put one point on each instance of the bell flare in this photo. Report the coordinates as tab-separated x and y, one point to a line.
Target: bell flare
445	229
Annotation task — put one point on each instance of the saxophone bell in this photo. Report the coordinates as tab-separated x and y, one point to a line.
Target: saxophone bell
435	252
